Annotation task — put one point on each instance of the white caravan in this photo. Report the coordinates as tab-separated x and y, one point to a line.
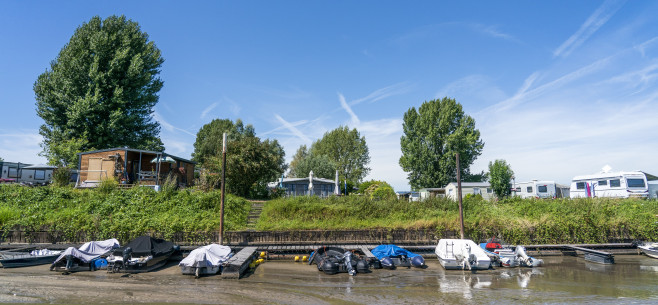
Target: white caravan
610	184
535	189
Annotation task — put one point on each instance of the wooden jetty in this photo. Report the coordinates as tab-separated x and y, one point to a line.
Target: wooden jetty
239	263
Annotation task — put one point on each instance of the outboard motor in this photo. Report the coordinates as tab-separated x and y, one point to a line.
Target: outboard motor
387	263
527	260
418	261
69	262
348	263
127	253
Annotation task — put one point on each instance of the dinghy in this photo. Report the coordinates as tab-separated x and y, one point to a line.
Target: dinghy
85	258
205	260
392	256
332	260
649	249
10	259
506	256
143	254
462	254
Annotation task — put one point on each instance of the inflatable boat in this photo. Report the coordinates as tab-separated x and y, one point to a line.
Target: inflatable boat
332	260
392	256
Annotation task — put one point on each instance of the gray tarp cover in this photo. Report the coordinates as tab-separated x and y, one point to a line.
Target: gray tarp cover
207	256
90	250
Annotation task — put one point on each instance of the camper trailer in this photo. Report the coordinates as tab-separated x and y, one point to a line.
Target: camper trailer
26	173
535	189
610	184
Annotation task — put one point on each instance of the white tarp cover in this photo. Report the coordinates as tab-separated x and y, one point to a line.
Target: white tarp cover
207	256
90	250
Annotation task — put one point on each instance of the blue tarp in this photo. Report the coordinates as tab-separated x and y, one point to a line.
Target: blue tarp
382	251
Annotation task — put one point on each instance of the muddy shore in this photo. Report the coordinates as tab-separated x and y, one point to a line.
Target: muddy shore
563	280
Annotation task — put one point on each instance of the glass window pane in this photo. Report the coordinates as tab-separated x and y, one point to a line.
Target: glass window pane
615	183
542	189
635	182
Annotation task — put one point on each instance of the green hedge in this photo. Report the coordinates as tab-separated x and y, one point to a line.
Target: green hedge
116	213
515	220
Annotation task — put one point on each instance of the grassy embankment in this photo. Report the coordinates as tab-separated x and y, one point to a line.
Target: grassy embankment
115	213
515	220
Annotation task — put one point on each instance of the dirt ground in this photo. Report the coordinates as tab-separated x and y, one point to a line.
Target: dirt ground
562	280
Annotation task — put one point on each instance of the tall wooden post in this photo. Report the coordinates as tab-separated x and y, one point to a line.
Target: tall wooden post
459	195
221	209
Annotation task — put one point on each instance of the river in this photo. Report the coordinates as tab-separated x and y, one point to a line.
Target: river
563	280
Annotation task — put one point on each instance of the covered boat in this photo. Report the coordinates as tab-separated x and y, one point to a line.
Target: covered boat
142	254
205	260
332	260
508	256
462	254
649	249
10	259
392	256
87	257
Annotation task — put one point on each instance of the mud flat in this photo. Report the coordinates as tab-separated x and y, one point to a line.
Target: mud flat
633	279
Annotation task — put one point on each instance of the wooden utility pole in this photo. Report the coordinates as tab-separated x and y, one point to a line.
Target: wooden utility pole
221	209
459	195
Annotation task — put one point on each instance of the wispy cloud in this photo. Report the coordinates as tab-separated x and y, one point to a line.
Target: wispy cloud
492	31
645	45
21	146
205	112
348	109
379	94
591	25
169	127
293	129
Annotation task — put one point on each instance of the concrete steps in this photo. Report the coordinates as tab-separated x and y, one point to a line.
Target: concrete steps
254	214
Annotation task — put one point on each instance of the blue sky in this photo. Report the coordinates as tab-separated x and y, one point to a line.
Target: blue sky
557	88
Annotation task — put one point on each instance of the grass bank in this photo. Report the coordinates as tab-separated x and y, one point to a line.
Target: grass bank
116	213
516	220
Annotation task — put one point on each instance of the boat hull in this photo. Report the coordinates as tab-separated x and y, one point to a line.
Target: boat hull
650	251
460	254
26	260
202	270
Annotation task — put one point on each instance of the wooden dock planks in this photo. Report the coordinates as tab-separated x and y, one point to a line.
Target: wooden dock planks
237	265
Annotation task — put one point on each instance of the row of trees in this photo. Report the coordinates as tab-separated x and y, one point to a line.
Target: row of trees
101	89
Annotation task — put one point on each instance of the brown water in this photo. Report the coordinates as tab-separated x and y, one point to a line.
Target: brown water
633	280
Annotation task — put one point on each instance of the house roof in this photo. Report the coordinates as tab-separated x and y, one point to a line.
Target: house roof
471	184
288	180
137	150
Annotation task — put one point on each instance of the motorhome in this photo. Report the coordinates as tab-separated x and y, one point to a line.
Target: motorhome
610	184
26	173
535	189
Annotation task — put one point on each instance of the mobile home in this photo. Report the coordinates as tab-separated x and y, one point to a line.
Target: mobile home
474	188
26	173
535	189
610	184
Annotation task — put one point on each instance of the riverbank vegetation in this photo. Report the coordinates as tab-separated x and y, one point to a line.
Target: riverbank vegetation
109	212
515	220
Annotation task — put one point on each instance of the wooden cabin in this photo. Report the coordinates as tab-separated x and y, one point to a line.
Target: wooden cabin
132	166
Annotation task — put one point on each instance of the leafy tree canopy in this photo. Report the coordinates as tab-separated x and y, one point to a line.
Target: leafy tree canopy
500	175
250	162
100	91
377	189
433	134
321	166
348	151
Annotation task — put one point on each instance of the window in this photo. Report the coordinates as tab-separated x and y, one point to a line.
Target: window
529	189
489	190
518	189
13	172
581	185
603	182
542	189
615	183
39	174
476	191
635	183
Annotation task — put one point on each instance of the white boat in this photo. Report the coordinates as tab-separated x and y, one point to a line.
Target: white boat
462	254
650	249
205	260
506	256
84	258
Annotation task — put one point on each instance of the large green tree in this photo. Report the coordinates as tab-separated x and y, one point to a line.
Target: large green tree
347	149
433	134
250	162
100	91
500	175
321	166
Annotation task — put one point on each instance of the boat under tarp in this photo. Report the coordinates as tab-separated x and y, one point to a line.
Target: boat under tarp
84	258
142	254
205	260
392	256
10	259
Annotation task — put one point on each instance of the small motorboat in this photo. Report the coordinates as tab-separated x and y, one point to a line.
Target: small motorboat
392	256
85	258
9	259
649	249
506	256
143	254
462	254
205	260
332	260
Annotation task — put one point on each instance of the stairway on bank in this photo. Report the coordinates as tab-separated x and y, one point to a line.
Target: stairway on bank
254	214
